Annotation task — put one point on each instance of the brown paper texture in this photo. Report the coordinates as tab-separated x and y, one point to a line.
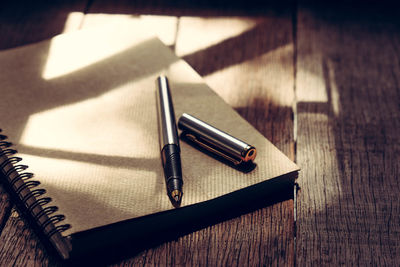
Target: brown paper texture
81	110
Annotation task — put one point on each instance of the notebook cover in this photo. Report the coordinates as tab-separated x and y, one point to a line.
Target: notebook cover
81	110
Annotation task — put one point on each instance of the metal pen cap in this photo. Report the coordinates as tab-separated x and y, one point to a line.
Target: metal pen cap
167	126
215	140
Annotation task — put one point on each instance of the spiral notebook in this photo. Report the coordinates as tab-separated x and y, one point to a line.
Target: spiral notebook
80	109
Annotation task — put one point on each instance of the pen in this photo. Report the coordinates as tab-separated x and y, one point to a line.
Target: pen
169	142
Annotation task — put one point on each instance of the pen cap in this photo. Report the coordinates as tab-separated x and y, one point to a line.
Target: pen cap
216	140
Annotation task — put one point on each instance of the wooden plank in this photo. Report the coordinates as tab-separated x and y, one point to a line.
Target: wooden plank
204	8
20	246
5	208
253	72
348	113
20	24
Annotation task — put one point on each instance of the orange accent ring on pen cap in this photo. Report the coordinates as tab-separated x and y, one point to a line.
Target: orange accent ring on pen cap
250	154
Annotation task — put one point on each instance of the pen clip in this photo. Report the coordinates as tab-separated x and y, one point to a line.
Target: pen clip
211	149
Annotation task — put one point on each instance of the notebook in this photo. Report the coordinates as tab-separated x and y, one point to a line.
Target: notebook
80	109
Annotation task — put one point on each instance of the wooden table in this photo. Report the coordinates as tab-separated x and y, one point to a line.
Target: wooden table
321	82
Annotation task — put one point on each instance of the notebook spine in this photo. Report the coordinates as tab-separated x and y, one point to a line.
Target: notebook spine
30	199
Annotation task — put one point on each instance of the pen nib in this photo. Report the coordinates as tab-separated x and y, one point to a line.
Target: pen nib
176	196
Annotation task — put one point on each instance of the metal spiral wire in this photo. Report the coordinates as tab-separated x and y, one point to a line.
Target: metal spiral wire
9	160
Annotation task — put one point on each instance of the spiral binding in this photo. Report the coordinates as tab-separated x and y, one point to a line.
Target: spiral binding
28	191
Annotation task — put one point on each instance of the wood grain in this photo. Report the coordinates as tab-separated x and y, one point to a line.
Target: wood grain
5	208
204	8
20	247
348	114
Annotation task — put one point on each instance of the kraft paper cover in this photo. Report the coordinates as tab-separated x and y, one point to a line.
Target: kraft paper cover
81	110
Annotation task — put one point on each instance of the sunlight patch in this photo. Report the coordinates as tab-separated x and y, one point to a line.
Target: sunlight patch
75	51
197	33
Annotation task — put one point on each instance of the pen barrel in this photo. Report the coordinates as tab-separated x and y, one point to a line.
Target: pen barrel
216	140
168	132
171	161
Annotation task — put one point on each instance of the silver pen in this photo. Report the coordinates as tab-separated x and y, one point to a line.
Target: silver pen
169	142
